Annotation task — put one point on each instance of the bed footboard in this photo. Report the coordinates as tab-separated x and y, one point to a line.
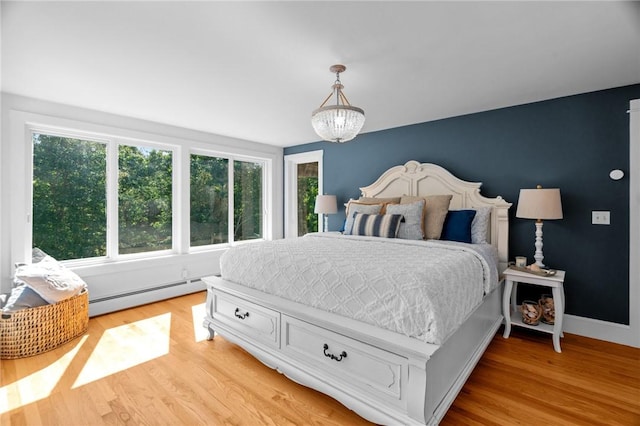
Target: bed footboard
384	377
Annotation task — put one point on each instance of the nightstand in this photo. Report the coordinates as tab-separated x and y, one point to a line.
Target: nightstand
509	302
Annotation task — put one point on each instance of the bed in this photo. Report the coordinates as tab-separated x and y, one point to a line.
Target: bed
372	358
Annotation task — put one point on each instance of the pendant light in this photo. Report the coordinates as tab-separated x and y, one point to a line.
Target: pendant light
340	122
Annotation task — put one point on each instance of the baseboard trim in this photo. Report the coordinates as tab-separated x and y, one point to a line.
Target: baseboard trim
601	330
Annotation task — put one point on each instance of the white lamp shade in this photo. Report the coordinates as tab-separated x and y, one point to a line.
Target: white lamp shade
326	204
337	123
539	203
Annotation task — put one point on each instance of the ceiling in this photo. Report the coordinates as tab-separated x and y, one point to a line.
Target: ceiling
256	70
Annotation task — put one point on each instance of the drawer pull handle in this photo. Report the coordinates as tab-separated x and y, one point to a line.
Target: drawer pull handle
332	356
239	315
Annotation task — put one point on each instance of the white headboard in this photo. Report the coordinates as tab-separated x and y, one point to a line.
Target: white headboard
421	179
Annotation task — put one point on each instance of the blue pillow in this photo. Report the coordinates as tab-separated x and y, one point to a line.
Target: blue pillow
457	226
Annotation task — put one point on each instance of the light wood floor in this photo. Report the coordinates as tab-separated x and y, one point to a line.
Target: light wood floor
152	366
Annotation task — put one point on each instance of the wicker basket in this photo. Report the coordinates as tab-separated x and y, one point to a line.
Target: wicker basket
32	331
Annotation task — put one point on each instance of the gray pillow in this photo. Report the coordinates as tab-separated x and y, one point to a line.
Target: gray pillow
411	228
480	225
22	297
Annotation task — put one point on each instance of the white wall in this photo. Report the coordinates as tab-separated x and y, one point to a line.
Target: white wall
137	277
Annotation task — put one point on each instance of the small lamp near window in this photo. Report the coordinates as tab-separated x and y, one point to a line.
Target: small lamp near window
326	205
539	204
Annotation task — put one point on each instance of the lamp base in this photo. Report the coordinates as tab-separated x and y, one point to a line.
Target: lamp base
538	255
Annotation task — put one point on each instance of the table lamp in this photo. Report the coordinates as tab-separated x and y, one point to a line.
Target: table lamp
539	204
326	205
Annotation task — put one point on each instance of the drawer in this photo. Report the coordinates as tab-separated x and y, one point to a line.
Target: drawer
250	319
348	361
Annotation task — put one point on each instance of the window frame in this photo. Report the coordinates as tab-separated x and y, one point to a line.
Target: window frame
112	143
24	125
264	207
30	170
230	183
113	194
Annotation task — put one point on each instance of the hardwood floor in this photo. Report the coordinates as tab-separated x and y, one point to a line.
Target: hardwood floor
151	365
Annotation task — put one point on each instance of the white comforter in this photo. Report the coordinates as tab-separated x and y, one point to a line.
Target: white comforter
422	289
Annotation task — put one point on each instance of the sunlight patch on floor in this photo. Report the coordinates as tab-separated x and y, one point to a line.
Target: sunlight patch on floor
37	385
126	346
198	313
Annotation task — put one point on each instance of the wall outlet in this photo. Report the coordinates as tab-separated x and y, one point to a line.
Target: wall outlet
600	218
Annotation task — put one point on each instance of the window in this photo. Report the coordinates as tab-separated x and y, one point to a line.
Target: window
209	199
95	196
144	199
69	196
247	203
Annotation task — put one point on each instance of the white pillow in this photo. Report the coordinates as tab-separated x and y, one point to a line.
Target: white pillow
52	281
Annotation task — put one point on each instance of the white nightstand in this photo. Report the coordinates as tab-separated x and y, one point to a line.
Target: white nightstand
509	302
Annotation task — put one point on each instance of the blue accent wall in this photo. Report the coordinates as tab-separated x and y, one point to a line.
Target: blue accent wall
571	143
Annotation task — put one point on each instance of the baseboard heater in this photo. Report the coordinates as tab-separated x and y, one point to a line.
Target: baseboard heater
144	290
103	305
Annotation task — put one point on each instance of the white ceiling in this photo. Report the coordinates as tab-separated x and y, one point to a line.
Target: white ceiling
256	70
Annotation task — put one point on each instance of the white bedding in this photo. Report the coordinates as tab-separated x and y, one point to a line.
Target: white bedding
422	289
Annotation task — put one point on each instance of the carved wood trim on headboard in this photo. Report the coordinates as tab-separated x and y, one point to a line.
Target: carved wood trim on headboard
422	179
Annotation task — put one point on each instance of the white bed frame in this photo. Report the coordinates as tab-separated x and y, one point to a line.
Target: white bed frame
385	377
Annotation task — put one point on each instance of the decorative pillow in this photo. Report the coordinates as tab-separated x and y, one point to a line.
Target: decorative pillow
354	207
457	226
22	297
384	201
411	227
376	225
52	281
435	212
480	225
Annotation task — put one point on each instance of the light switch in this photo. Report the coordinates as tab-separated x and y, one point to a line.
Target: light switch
600	218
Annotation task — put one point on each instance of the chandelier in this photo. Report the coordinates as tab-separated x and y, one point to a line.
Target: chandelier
340	122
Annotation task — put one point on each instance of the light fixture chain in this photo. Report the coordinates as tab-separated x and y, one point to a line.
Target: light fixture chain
337	85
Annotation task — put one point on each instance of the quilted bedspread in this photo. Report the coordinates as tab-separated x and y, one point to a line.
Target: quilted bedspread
422	289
